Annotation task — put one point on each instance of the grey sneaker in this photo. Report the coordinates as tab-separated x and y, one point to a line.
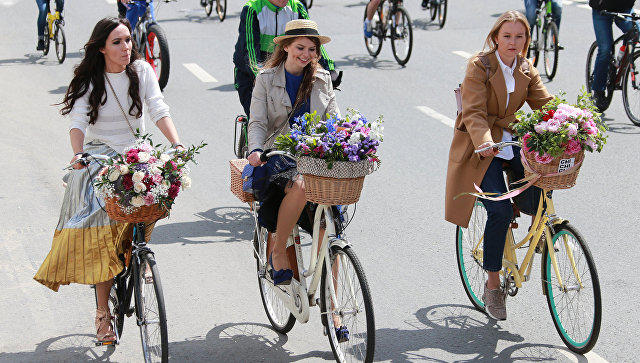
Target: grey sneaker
495	303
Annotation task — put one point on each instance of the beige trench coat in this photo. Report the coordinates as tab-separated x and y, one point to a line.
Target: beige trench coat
270	105
484	115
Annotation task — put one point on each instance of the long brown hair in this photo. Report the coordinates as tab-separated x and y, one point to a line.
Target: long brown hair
279	56
512	16
91	71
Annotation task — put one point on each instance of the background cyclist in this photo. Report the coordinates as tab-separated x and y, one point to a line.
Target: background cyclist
43	9
603	27
371	9
260	22
531	6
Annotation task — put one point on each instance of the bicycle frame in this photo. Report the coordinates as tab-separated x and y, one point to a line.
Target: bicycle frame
292	294
144	22
51	19
629	38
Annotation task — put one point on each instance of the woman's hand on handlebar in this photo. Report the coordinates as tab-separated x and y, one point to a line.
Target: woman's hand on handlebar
77	165
254	158
489	152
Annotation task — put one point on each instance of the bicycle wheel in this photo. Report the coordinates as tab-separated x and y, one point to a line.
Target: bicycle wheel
61	43
433	9
279	316
354	307
402	37
47	39
309	3
575	305
157	53
608	91
469	255
151	311
221	9
442	12
534	45
631	90
550	50
208	7
374	44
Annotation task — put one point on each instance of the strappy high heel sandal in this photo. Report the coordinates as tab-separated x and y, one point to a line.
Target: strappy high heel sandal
103	322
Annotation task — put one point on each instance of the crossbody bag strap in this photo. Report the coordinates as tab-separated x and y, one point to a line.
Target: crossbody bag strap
120	105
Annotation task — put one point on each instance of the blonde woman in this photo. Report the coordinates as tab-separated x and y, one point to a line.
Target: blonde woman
490	97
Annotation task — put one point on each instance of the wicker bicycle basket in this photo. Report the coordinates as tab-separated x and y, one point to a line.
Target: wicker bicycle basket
565	180
146	213
339	185
237	165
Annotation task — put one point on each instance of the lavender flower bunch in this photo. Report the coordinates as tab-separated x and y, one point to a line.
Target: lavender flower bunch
353	138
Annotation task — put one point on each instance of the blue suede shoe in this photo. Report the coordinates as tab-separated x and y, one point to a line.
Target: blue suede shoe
280	277
342	333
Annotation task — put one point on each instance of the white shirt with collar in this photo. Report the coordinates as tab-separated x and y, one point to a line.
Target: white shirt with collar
510	82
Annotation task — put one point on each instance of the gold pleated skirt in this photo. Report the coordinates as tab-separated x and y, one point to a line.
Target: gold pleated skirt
86	242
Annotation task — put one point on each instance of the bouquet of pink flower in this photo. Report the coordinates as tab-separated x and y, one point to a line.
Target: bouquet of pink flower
560	128
145	175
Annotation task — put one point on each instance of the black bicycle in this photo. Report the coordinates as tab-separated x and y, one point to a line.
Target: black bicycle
544	37
220	5
152	42
623	73
437	9
241	137
391	21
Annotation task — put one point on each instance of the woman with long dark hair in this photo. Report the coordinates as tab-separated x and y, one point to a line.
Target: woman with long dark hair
104	102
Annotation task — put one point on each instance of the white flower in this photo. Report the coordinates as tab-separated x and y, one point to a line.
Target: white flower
155	170
376	132
165	157
185	182
114	174
139	187
355	138
124	169
138	176
137	201
165	183
143	157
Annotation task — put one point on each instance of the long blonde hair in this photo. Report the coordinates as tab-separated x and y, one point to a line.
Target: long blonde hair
512	16
279	56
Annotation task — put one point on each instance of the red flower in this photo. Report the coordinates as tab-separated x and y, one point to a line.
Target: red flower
132	156
171	165
551	113
173	191
545	117
127	182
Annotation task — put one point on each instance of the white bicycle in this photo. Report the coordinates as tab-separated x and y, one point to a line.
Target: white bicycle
345	300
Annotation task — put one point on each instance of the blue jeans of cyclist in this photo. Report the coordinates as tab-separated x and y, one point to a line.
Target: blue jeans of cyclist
603	27
500	213
135	10
530	7
43	9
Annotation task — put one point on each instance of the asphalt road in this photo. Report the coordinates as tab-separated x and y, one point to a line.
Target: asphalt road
406	247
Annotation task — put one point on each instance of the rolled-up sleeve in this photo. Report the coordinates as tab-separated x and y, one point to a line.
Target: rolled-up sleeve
153	97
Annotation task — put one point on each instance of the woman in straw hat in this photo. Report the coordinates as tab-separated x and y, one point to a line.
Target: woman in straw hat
290	84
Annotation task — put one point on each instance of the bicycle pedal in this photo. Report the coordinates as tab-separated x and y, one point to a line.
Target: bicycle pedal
100	344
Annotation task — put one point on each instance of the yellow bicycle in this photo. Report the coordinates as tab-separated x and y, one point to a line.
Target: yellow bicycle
54	32
569	277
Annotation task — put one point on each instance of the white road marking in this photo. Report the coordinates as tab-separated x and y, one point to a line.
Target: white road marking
438	116
111	1
462	53
8	3
591	356
200	73
584	6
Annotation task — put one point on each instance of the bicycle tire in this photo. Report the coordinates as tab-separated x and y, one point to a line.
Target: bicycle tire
47	40
243	148
221	9
310	2
151	312
406	32
469	255
608	91
534	46
442	12
378	32
551	50
208	7
433	10
350	308
631	92
277	312
569	243
61	43
160	59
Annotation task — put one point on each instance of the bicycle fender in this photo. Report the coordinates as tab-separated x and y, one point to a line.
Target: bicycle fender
339	242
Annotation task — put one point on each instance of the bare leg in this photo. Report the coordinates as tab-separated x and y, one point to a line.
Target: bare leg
290	209
493	282
103	321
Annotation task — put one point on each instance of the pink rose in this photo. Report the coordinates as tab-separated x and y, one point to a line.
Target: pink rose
145	147
132	156
590	143
553	125
526	137
591	130
540	127
572	129
543	159
148	199
573	147
156	179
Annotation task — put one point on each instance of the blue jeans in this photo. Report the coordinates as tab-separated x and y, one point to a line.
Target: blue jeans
603	27
43	9
135	10
530	7
500	213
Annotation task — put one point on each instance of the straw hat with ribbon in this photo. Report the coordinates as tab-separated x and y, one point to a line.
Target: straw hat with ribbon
301	28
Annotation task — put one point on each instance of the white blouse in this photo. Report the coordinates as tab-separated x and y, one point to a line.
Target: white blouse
510	82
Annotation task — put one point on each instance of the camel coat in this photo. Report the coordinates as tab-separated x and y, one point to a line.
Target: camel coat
484	116
270	105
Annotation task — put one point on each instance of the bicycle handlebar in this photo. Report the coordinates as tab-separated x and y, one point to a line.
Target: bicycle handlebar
623	16
86	158
264	157
499	146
